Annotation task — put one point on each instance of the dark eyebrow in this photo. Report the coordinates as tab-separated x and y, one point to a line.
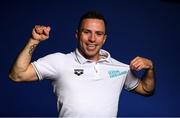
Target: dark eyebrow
100	32
83	29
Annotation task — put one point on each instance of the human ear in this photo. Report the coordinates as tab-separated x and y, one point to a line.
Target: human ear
77	34
105	37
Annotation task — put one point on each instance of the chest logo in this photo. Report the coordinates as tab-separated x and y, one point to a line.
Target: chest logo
78	72
116	73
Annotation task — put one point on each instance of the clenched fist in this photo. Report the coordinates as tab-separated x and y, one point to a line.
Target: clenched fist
40	33
140	63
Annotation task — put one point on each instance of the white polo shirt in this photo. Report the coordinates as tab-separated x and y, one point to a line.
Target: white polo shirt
85	88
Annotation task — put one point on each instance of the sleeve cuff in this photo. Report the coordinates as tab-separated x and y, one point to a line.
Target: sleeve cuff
132	86
34	64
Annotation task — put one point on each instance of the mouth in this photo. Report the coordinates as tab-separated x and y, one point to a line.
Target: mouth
91	47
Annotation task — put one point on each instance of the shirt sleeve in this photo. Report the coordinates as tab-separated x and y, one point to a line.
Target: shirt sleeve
131	81
45	67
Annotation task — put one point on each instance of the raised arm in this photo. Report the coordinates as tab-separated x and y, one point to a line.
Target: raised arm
146	84
22	70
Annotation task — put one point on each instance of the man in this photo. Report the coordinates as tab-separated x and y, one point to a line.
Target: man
88	81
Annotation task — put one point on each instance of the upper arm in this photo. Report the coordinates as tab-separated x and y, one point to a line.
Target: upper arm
140	89
25	76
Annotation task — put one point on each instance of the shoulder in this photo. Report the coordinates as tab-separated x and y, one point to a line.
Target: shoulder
55	58
57	55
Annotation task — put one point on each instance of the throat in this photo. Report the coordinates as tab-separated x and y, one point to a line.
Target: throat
93	57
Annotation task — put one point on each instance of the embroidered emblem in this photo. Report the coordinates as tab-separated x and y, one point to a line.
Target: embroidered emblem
78	72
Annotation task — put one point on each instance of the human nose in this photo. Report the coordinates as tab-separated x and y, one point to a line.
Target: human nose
92	37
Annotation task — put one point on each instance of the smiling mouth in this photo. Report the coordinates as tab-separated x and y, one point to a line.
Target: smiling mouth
91	46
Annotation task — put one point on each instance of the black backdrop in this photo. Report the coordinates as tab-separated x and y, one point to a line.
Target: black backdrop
144	28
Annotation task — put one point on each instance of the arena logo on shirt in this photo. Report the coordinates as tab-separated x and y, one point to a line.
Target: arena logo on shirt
78	72
116	73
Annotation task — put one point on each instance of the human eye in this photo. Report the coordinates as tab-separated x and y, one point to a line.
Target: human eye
85	31
99	33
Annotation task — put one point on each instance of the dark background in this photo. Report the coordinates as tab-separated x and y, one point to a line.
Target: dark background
145	28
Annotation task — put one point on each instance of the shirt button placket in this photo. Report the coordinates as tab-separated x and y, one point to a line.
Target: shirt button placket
96	68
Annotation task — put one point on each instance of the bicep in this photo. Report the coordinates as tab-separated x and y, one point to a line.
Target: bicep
139	89
29	74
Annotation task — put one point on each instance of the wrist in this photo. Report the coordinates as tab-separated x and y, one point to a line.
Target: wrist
34	41
151	69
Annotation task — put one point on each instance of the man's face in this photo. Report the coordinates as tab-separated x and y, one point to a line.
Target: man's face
91	37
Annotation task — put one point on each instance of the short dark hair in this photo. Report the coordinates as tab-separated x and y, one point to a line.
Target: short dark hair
92	15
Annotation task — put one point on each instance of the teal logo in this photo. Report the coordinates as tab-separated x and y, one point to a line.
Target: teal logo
116	73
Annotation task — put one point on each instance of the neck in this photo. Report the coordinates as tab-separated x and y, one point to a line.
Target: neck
93	58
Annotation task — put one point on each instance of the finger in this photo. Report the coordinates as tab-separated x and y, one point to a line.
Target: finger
146	63
136	65
44	37
33	31
135	62
140	67
47	30
37	26
135	59
39	29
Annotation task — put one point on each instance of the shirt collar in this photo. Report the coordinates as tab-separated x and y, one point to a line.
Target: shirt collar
105	57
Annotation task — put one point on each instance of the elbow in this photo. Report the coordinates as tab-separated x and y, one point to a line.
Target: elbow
148	88
15	77
148	93
144	93
144	89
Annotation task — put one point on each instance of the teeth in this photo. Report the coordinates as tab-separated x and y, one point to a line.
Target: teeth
91	46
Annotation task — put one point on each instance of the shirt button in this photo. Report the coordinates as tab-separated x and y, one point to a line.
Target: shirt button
96	67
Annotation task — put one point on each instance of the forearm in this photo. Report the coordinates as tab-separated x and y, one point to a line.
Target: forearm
24	58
